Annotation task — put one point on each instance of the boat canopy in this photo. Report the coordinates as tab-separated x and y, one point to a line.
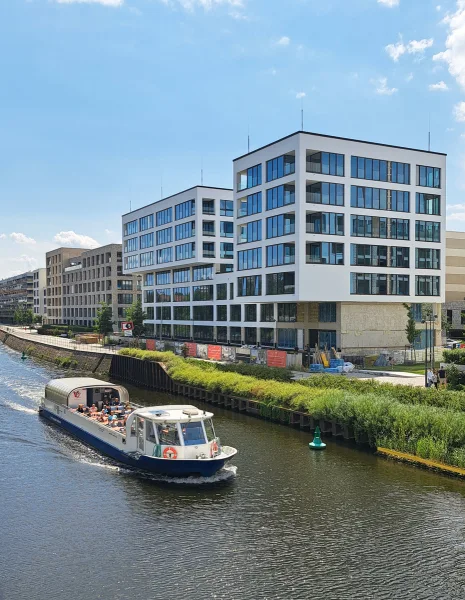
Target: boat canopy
181	413
72	391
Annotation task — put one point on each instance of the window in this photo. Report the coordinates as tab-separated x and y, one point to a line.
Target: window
163	313
250	205
266	313
227	250
226	229
429	177
130	245
427	258
326	163
124	284
417	310
266	336
428	204
184	210
130	228
164	255
203	313
379	199
164	216
181	294
427	231
400	173
287	338
380	227
380	170
131	262
164	236
225	267
208	228
250	312
327	223
182	313
146	259
163	278
193	433
235	312
181	275
150	313
249	232
325	253
125	298
226	208
149	279
327	312
221	291
250	178
185	251
185	230
249	259
280	167
222	334
280	283
208	207
208	249
203	333
280	196
377	284
280	225
149	296
146	223
182	332
249	286
326	193
202	293
202	273
427	285
221	312
287	313
163	295
250	335
280	254
146	241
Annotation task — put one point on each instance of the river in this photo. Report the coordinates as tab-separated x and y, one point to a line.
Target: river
288	524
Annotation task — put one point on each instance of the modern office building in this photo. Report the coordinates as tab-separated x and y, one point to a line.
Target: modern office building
455	281
56	261
333	236
15	292
93	277
183	247
39	288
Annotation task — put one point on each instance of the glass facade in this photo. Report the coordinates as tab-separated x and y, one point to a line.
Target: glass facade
282	195
280	283
185	251
182	313
327	223
202	273
203	313
164	216
280	167
249	259
266	313
427	258
221	291
226	229
280	254
130	245
377	284
429	176
428	204
325	193
363	255
380	170
130	228
221	312
325	253
164	236
380	227
164	255
427	285
146	259
185	230
250	205
427	231
235	312
280	225
202	293
181	275
249	232
146	222
326	163
327	312
227	250
379	199
163	278
146	241
287	312
184	210
250	312
249	286
250	178
181	294
226	208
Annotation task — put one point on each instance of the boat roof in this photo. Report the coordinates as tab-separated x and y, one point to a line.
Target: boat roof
66	385
173	412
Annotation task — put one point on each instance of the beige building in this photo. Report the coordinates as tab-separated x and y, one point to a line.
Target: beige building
455	281
56	261
39	284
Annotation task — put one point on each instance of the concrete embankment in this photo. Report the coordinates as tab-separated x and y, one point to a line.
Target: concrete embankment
92	362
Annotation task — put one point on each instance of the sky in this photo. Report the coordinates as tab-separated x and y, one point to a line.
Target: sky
107	104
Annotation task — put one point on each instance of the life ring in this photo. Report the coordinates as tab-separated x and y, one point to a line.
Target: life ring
170	452
214	448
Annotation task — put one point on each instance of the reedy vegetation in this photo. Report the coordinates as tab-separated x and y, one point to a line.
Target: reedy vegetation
425	422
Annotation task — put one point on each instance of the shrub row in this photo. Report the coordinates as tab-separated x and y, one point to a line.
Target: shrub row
455	357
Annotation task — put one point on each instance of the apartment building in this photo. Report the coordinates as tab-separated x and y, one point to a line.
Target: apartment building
56	261
16	291
183	248
93	277
455	281
39	290
333	236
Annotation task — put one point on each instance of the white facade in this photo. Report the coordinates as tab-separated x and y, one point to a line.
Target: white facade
39	284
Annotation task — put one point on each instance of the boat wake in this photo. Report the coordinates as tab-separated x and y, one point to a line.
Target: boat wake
18	407
227	473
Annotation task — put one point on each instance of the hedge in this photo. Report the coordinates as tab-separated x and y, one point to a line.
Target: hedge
455	357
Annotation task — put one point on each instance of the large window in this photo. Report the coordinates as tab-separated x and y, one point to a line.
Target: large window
325	253
427	258
235	313
221	291
280	196
130	245
208	228
202	293
146	241
149	279
427	231
163	278
182	313
149	296
249	232
400	172
164	216
164	236
429	176
249	286
208	249
280	225
124	284
184	210
146	222
428	204
280	167
226	229
146	259
250	205
163	295
287	338
164	255
221	312
280	254
202	273
226	208
250	312
427	285
185	230
226	250
250	178
326	163
131	262
130	228
163	313
185	251
266	336
203	333
327	312
380	170
181	275
363	255
203	313
208	206
380	227
280	283
379	199
377	284
327	223
222	334
287	313
182	332
267	313
181	294
249	259
326	193
125	298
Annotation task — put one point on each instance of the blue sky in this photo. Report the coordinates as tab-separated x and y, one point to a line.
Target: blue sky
103	100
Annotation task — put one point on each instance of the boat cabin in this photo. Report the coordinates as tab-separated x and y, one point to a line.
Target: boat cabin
74	391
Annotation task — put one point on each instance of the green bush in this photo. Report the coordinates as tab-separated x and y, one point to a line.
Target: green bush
455	357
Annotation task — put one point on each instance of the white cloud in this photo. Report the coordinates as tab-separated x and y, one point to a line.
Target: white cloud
441	86
389	3
459	112
109	232
382	88
409	77
283	41
75	240
395	51
300	95
113	3
448	129
2	236
20	238
191	5
28	261
438	7
454	54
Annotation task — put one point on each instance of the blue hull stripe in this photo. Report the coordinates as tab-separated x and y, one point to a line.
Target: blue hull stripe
178	468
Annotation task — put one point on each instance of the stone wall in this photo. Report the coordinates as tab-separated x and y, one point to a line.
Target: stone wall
91	362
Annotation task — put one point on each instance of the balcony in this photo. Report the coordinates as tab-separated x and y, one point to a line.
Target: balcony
209	254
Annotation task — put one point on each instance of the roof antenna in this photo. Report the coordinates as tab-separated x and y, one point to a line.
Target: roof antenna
429	132
302	113
130	206
161	187
248	139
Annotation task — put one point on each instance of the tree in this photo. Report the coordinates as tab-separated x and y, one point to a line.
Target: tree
28	316
23	316
136	314
104	322
411	330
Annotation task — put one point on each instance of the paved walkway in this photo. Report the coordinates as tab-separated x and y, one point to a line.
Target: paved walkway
393	377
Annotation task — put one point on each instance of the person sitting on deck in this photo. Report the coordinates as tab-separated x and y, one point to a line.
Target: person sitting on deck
80	409
93	408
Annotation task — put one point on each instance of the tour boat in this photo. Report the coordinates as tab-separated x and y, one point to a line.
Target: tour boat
175	440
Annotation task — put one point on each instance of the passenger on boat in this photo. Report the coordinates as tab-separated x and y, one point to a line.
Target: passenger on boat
80	409
93	408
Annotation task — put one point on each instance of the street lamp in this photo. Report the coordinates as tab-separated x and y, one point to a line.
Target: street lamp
275	321
430	319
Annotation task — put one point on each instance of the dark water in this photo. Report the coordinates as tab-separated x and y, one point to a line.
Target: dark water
290	524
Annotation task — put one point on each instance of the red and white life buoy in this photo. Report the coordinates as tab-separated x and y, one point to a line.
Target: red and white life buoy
170	453
214	448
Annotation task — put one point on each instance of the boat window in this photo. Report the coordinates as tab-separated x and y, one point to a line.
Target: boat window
168	434
150	432
209	430
193	433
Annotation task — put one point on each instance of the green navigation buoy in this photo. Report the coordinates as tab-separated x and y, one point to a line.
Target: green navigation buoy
23	356
317	444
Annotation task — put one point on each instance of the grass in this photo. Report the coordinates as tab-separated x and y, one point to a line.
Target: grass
418	369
